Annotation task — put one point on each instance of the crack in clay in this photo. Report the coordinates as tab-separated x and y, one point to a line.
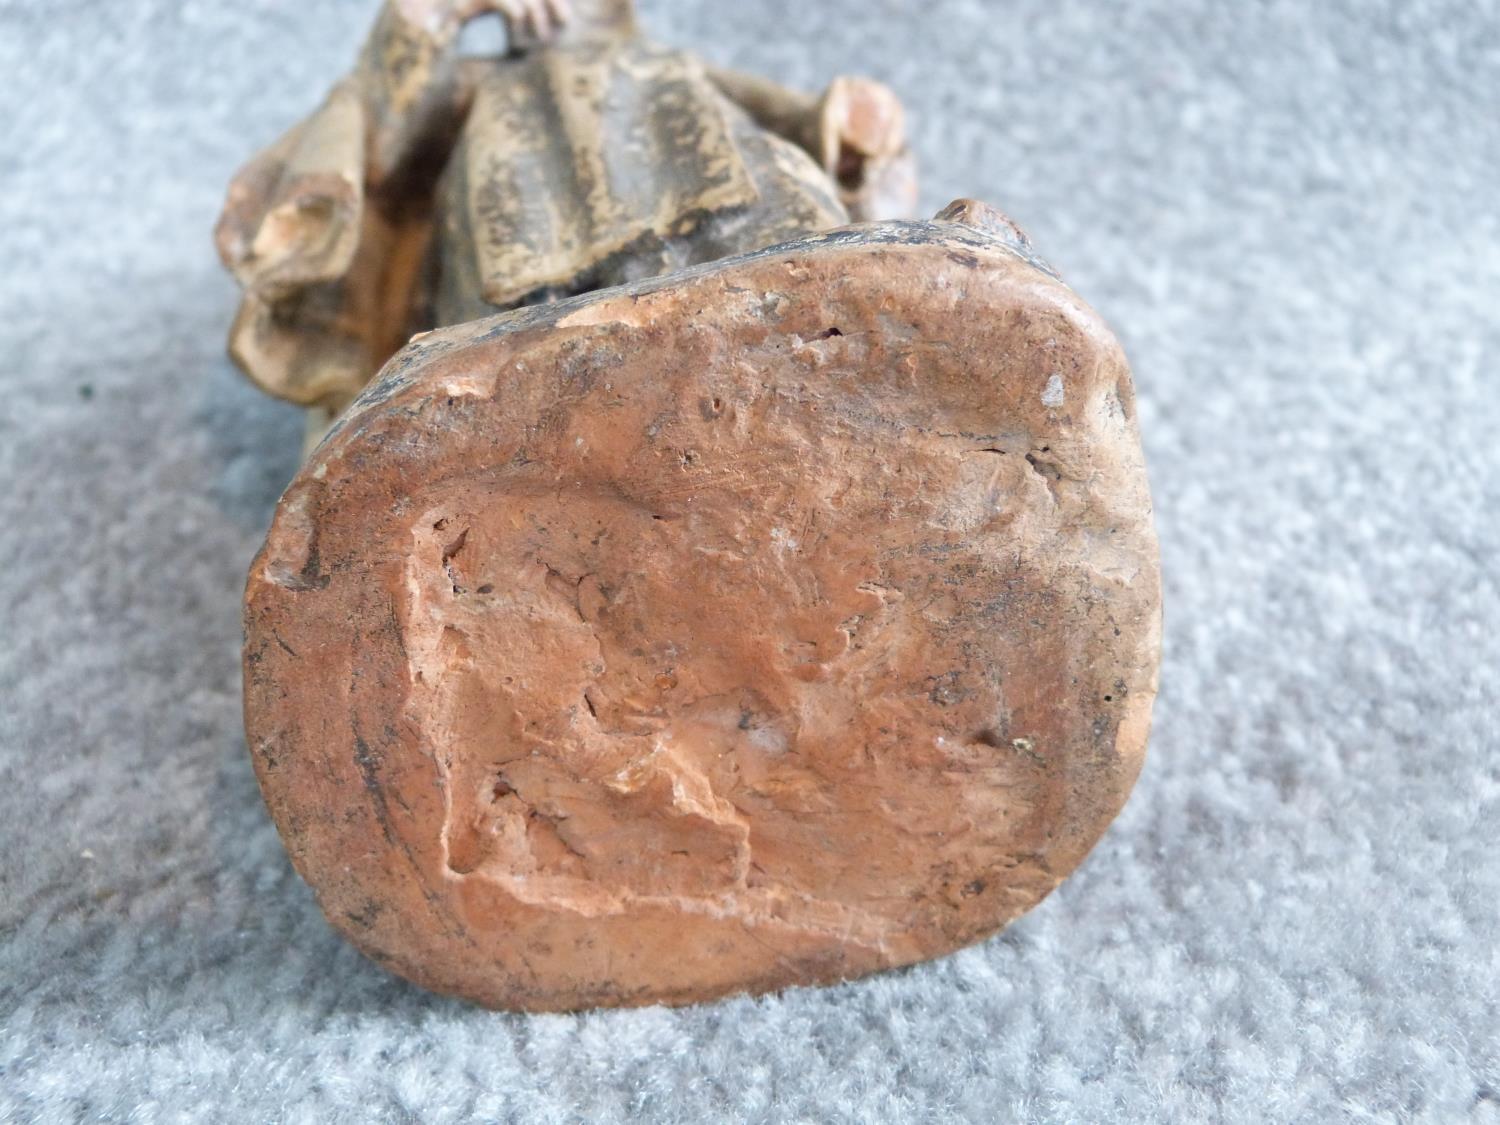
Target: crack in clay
450	553
1049	473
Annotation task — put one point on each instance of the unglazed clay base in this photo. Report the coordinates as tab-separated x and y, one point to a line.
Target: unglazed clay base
772	623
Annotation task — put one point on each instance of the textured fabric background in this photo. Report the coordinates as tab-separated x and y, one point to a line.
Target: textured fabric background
1287	208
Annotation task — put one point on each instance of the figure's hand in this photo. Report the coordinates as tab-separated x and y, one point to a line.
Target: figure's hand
293	214
863	141
529	23
861	120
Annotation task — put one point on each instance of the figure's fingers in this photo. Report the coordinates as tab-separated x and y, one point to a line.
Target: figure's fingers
540	23
551	17
513	12
523	22
561	12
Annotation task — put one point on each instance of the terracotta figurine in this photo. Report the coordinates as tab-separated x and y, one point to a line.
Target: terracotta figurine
698	582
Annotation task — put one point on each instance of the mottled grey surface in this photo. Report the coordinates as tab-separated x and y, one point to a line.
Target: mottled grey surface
1288	209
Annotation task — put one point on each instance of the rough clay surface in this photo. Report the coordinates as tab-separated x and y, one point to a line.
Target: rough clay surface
1286	212
790	620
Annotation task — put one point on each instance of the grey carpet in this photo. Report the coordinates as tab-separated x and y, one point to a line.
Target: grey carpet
1288	209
